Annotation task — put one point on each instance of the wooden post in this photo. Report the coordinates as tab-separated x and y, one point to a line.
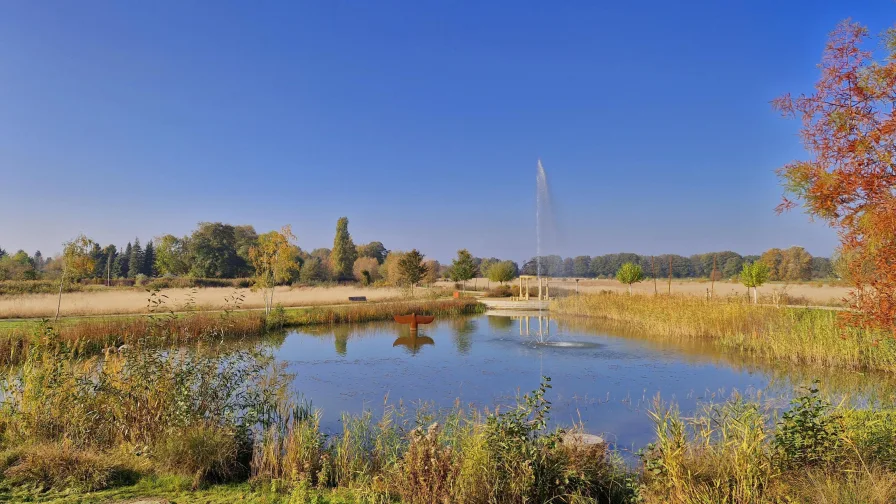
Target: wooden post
712	291
653	266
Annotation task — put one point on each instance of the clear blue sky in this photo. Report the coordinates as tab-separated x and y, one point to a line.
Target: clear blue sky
420	121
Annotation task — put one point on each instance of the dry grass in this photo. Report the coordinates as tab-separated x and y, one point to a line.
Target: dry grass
117	301
815	293
799	335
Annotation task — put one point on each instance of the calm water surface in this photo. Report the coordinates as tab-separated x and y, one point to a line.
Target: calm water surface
602	377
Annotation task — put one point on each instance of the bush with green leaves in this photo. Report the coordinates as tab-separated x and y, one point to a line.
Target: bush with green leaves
809	433
753	275
630	273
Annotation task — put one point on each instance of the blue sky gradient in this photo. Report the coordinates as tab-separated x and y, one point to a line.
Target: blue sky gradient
420	121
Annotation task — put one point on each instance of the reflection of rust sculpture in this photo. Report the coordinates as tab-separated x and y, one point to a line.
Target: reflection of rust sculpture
414	319
413	342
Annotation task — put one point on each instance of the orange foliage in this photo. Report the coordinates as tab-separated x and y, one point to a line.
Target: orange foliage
849	130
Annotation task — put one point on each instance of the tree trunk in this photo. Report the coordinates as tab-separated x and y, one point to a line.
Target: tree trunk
755	295
629	289
59	302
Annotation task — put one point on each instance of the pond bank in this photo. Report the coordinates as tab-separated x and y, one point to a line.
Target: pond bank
92	335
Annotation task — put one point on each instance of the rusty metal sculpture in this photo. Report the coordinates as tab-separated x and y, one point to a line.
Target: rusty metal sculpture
413	319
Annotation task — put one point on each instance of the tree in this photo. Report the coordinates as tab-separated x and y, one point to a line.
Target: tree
366	270
754	275
213	251
136	260
312	271
774	259
244	238
375	250
76	264
732	267
848	180
581	267
121	266
630	273
796	264
822	268
343	256
411	268
502	272
274	262
462	267
486	264
568	267
38	260
149	260
172	255
432	271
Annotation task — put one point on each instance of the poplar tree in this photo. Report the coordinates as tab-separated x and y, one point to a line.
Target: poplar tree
343	255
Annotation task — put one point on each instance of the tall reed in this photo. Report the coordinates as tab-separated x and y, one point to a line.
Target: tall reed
798	335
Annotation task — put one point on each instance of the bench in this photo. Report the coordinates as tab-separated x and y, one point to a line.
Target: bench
357	298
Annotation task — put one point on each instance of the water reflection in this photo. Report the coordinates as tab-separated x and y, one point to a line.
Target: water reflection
413	341
463	328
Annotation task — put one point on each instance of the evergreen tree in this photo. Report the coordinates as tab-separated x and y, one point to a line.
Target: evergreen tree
121	268
149	260
343	255
135	262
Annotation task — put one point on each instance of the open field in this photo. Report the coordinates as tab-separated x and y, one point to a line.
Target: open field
119	301
813	293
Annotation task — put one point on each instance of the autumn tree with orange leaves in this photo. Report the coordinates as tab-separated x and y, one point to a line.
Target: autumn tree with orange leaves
849	180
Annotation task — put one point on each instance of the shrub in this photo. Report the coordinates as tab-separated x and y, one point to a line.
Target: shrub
808	434
500	291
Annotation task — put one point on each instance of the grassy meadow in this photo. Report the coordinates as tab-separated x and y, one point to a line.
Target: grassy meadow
99	300
807	336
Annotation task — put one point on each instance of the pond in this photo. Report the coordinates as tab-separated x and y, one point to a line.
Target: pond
603	377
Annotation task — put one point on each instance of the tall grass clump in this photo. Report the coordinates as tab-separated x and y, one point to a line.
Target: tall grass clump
738	452
184	410
92	336
460	455
799	335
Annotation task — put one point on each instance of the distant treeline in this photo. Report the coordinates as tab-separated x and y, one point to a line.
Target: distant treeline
792	264
215	250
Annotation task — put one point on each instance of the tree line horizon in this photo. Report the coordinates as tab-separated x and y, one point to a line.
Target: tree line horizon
219	250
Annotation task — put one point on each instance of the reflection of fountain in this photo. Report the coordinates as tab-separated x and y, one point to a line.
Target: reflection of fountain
544	327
